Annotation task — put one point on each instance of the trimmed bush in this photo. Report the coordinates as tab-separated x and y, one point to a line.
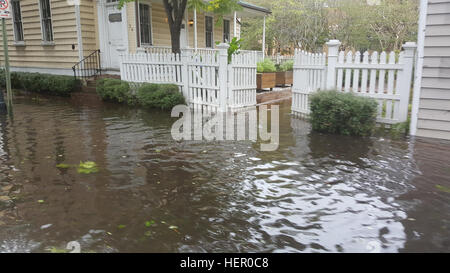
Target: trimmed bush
265	66
113	90
286	66
163	96
342	113
41	83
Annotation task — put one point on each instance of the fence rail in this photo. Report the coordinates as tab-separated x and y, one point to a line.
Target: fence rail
385	77
204	76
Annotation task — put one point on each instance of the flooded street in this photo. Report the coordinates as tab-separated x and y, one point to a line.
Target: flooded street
316	193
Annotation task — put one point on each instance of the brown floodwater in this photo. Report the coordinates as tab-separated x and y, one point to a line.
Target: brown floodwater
316	193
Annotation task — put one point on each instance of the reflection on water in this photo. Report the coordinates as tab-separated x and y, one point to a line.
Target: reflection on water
316	193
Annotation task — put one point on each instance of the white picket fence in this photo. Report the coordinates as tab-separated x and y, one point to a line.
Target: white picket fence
384	77
280	59
204	76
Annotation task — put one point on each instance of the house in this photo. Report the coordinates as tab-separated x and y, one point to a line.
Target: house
51	36
431	102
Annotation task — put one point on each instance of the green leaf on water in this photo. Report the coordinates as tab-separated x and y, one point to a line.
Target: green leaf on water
148	233
87	167
121	226
41	201
173	227
63	166
157	150
58	250
149	223
443	188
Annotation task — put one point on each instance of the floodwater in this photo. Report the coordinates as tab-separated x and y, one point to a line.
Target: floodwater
316	193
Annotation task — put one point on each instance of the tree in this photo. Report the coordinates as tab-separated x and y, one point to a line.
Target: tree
175	10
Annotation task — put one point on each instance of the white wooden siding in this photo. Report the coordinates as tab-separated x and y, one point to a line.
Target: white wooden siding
434	108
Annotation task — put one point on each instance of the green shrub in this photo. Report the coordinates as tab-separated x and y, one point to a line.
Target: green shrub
41	83
266	66
342	113
286	66
164	96
113	90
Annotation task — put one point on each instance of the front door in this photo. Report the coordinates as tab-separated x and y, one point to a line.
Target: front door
116	37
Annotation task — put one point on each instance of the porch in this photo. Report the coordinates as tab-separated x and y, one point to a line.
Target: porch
142	26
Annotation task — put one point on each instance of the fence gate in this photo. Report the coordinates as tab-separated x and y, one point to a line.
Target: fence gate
384	77
309	76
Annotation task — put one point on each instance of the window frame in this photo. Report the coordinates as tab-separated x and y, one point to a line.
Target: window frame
212	32
14	18
229	31
46	42
150	25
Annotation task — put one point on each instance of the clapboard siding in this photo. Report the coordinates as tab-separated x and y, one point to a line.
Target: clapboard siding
88	26
161	31
434	107
34	54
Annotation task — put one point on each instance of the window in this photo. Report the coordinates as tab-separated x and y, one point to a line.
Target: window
226	31
17	21
46	21
209	31
145	26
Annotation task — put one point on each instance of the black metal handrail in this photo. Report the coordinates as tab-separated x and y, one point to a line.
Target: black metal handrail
88	67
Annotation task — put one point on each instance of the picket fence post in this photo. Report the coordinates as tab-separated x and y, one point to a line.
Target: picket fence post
333	49
405	79
223	76
184	73
122	52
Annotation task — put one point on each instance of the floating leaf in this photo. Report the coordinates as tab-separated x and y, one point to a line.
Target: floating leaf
63	166
148	233
149	223
41	201
121	226
443	188
173	227
157	150
87	167
58	250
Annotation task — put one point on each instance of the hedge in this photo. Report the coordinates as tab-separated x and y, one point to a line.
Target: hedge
42	83
342	113
113	90
163	96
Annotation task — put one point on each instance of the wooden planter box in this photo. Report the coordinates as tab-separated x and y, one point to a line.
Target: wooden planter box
284	78
265	80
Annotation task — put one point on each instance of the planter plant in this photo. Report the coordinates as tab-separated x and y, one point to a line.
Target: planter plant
266	76
285	74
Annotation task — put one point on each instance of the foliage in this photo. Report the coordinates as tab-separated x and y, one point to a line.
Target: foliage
113	90
235	45
342	113
266	66
287	66
307	24
42	83
163	96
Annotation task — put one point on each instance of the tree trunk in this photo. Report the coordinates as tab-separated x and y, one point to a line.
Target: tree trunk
175	13
175	34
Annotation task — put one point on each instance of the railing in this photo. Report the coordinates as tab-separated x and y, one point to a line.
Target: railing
88	67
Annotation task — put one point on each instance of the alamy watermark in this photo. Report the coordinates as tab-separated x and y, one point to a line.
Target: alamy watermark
246	124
